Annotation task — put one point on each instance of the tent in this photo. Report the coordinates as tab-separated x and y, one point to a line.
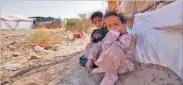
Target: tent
15	18
160	37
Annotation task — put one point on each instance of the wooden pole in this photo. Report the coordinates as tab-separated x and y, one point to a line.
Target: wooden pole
112	5
17	24
7	24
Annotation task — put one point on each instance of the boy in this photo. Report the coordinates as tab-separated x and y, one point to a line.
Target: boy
96	36
99	33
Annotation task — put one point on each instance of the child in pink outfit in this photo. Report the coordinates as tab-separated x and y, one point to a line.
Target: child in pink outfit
113	55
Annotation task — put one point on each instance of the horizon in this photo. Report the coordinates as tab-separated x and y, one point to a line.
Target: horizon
62	9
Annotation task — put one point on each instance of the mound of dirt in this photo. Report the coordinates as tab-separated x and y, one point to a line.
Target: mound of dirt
145	74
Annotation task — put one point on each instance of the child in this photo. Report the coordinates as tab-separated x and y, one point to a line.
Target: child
113	55
96	36
99	33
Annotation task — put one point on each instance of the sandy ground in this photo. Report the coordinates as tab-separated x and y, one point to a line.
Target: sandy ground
62	68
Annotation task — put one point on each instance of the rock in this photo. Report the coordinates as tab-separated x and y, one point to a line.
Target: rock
49	47
13	43
33	56
11	47
3	82
55	49
15	54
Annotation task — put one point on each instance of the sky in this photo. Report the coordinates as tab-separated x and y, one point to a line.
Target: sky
56	8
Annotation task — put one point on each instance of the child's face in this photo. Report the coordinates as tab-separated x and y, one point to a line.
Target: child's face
113	22
97	21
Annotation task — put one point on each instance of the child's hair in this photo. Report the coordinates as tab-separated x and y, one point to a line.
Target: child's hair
96	14
122	18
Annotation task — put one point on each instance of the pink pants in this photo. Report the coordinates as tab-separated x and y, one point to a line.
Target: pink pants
109	79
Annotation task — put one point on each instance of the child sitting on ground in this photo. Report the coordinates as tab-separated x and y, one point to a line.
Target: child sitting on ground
113	55
96	36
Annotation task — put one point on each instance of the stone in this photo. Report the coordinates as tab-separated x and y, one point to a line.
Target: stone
15	54
33	56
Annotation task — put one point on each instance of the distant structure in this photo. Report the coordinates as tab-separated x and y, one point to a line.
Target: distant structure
48	23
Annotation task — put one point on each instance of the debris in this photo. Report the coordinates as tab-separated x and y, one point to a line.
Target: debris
38	48
43	44
78	35
10	66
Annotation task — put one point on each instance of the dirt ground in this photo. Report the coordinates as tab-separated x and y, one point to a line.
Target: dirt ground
61	67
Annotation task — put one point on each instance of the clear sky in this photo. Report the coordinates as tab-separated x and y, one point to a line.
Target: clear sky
56	8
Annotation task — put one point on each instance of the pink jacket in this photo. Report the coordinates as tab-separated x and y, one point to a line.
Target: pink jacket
114	53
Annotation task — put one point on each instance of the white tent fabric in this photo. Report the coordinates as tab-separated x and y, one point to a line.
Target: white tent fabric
14	17
11	20
161	46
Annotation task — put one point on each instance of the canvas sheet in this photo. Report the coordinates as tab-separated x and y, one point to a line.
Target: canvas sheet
160	37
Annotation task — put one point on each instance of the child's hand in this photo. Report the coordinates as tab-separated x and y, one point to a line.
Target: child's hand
121	29
97	36
89	66
92	39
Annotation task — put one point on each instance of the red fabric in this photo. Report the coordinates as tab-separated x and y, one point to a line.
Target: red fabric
78	35
43	44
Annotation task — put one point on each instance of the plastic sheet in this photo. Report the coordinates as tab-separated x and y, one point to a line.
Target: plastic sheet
158	46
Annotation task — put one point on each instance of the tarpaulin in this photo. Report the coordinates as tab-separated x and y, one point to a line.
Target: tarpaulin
160	37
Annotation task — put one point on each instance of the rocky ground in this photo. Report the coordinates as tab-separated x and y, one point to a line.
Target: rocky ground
21	65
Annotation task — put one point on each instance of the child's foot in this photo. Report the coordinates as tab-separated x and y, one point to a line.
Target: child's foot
97	70
109	79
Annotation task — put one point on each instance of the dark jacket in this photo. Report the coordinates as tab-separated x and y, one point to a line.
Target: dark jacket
103	31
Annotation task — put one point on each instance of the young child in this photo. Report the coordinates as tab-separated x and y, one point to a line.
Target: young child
96	36
113	55
99	33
